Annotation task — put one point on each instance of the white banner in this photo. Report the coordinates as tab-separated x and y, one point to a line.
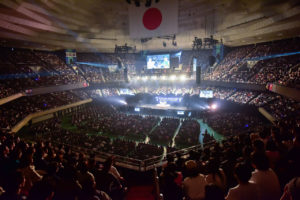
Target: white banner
160	19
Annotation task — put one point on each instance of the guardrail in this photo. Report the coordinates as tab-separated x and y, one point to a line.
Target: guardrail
267	115
132	163
10	98
32	116
293	93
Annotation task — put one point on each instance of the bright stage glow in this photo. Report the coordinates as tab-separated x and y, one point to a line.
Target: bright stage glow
123	102
213	106
163	77
153	77
163	104
145	78
137	78
182	78
172	77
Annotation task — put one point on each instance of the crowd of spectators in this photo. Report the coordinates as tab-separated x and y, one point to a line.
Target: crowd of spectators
51	130
281	107
227	123
25	69
261	165
6	91
222	93
45	171
189	133
242	96
109	121
53	62
263	99
255	64
13	112
277	69
165	131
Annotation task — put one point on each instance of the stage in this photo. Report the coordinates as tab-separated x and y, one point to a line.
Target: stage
164	107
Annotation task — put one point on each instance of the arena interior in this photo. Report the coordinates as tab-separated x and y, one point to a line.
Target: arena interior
149	100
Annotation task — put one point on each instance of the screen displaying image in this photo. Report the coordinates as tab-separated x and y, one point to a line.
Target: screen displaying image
180	112
137	109
206	94
158	61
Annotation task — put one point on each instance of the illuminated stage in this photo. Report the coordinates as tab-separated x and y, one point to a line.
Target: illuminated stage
163	107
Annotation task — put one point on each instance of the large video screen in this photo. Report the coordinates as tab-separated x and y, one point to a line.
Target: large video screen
206	94
158	61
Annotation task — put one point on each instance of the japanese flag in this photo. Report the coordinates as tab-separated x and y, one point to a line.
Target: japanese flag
158	20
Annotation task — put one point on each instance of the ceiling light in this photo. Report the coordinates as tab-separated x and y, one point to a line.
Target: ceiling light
137	3
148	3
182	78
172	77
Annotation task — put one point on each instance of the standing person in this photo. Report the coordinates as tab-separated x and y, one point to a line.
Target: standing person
215	174
108	182
109	163
245	190
265	177
194	184
171	182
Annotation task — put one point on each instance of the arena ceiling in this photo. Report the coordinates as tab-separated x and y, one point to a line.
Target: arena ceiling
98	25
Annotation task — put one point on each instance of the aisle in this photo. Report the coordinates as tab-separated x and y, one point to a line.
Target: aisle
176	132
203	126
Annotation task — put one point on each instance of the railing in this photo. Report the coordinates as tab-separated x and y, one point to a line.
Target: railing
10	98
32	116
131	163
293	93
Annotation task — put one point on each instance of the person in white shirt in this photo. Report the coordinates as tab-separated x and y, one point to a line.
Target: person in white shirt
265	178
194	184
245	190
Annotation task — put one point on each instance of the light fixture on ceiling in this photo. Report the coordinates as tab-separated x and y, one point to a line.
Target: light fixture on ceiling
137	3
148	3
174	43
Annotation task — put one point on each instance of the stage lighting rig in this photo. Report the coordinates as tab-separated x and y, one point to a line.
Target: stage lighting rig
174	43
144	40
168	37
197	43
137	3
124	49
204	43
148	3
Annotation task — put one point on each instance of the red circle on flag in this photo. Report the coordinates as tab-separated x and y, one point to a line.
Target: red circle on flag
152	18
